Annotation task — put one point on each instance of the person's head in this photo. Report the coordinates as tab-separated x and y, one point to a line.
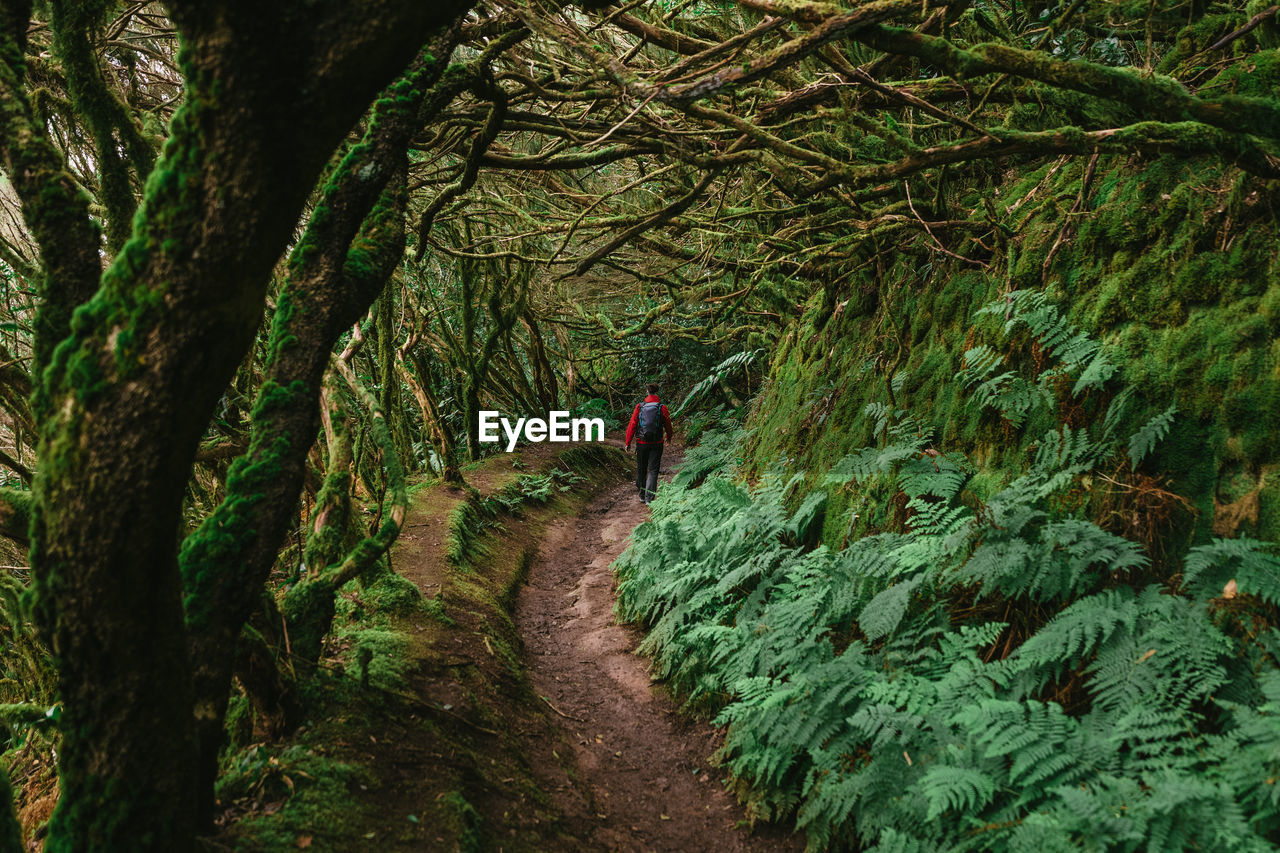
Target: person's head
653	388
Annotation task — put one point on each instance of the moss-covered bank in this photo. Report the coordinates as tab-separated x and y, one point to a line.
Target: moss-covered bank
1171	264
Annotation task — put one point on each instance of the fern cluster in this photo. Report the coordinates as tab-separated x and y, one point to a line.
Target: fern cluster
998	674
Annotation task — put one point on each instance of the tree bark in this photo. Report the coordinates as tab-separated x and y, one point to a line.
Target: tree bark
270	92
432	423
335	273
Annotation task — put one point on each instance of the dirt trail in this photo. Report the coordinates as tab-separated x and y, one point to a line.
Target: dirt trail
643	781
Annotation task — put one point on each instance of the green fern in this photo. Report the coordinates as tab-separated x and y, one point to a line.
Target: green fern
1251	564
995	674
955	789
1148	436
718	374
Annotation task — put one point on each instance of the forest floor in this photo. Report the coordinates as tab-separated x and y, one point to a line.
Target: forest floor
643	781
504	712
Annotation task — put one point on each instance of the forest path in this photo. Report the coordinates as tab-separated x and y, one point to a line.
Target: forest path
643	780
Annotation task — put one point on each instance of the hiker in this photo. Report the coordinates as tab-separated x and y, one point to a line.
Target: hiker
648	424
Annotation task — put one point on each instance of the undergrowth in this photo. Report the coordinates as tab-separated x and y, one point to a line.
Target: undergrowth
407	742
295	790
1011	665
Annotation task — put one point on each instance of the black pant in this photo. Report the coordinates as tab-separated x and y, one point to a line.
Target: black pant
648	460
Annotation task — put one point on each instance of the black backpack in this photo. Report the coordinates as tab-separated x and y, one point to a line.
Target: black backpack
650	422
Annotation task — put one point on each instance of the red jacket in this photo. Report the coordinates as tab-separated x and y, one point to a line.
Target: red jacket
635	417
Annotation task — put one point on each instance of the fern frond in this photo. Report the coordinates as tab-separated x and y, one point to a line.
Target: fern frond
884	612
1142	442
1252	564
955	788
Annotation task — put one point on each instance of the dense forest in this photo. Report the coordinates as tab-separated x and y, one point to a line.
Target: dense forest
967	313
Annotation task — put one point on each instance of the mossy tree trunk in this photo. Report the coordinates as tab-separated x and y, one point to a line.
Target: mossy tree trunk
432	421
505	296
309	606
548	388
126	395
353	243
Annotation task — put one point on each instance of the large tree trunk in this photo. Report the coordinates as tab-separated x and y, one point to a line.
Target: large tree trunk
349	250
271	91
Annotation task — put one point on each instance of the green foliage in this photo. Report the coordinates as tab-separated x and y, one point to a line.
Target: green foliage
470	825
698	424
26	668
391	593
1078	356
718	374
312	793
715	451
1145	439
10	830
377	657
1169	262
598	407
534	488
991	672
540	488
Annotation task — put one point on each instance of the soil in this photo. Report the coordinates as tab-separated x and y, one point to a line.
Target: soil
537	730
642	779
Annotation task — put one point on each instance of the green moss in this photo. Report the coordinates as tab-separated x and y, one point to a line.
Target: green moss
468	826
384	632
239	723
10	830
1173	268
314	794
434	608
108	119
377	657
282	336
308	609
391	594
204	556
466	522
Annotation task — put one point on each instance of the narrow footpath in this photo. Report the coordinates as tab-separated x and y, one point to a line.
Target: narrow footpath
471	728
643	780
